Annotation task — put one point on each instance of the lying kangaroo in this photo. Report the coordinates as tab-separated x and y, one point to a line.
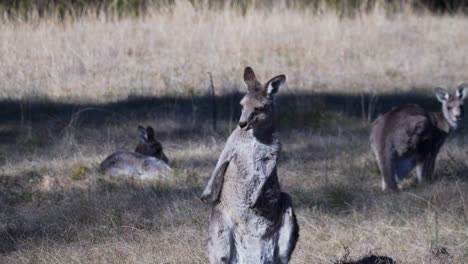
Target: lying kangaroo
147	162
251	220
409	136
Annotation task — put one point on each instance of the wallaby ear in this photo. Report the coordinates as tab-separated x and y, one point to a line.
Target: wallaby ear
442	95
143	135
462	91
150	133
250	79
274	85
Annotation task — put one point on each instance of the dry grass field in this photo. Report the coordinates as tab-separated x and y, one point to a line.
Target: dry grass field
72	92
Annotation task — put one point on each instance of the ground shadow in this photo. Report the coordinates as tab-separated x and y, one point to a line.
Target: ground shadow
445	171
200	109
31	215
200	114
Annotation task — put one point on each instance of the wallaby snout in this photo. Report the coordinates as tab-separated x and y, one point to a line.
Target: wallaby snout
242	124
459	115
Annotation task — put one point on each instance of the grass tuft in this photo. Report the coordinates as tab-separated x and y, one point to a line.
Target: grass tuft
338	197
78	172
29	142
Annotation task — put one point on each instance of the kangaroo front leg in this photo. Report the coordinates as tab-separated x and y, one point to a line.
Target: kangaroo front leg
213	187
211	193
262	172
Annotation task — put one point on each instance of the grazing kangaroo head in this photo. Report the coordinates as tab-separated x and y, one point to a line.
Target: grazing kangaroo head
148	145
452	106
257	104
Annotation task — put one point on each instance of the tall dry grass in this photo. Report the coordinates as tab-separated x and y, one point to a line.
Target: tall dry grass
171	51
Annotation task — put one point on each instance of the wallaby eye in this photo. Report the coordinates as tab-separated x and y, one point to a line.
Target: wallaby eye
259	109
449	108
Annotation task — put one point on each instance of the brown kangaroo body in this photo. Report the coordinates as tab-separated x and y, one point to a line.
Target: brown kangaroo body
147	162
251	220
409	136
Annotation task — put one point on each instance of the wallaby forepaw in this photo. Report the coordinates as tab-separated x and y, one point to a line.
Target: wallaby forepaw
206	197
251	202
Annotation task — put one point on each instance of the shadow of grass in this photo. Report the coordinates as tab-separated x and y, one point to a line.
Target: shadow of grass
450	170
192	116
102	209
295	109
348	196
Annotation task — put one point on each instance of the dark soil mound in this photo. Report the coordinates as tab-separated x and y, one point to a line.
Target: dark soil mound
372	259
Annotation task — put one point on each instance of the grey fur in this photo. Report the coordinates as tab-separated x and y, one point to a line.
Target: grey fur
251	220
147	162
409	136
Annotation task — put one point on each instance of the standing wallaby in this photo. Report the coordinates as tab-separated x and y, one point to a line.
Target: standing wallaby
147	162
251	220
409	136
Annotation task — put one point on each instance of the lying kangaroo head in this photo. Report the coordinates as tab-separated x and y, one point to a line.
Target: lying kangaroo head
257	104
148	145
452	106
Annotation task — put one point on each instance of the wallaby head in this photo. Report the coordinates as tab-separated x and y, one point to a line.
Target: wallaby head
257	104
148	145
452	106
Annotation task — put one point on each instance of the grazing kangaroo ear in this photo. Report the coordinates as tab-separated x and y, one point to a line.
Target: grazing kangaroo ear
250	79
150	133
462	91
273	85
143	135
442	95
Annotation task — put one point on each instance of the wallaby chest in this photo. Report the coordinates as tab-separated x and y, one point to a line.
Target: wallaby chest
252	156
253	161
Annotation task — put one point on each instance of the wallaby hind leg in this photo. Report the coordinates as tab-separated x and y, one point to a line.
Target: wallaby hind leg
429	168
388	172
419	172
402	167
220	241
384	161
289	230
379	164
425	170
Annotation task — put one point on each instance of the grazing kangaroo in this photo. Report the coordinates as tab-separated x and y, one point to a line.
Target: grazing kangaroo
251	220
147	162
409	136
